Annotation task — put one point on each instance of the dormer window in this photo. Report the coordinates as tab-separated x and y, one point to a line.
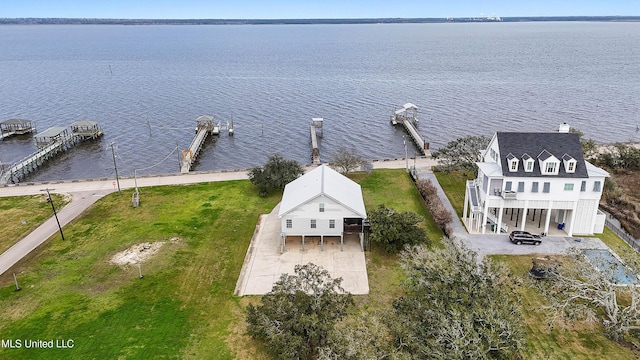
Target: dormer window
528	163
550	167
569	163
513	162
549	164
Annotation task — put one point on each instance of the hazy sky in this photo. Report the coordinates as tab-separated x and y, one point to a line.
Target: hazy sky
296	9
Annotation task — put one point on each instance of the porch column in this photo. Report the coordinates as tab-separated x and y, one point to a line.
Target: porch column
573	217
484	216
283	243
321	242
548	218
341	240
499	220
302	243
524	215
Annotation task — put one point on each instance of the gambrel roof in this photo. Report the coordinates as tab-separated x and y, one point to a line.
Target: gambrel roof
544	145
322	181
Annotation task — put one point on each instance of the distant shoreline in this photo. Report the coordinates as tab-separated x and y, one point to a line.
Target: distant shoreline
492	19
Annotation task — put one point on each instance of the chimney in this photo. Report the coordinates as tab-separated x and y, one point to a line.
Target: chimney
564	128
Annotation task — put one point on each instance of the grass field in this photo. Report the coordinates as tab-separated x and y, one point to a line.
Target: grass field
183	307
22	214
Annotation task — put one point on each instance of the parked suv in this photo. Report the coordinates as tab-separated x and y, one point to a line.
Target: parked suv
520	237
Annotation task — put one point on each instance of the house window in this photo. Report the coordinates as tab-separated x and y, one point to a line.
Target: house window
313	223
568	187
332	224
596	186
521	186
529	166
550	168
494	155
321	207
534	187
507	186
546	187
571	166
289	223
583	186
514	165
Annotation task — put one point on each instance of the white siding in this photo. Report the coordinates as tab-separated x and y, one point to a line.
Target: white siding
302	215
585	213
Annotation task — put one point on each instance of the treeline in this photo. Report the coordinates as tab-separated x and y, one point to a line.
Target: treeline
100	21
623	160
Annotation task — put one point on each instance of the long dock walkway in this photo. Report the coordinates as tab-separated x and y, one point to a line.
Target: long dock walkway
189	155
50	142
31	162
315	131
204	127
408	117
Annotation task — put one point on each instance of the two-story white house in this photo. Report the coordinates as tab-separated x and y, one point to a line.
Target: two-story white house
322	203
535	181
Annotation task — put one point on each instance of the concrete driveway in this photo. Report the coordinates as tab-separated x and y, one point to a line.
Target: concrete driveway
264	262
500	245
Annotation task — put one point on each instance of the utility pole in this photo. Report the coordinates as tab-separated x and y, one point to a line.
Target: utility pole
406	154
115	166
50	200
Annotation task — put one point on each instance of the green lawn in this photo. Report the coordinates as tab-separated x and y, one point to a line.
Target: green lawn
184	306
181	308
22	214
453	185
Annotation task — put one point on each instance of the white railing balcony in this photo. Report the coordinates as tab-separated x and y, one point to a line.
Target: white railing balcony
509	195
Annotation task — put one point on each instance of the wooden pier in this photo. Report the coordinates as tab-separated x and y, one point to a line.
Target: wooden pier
204	126
49	143
13	127
315	132
408	117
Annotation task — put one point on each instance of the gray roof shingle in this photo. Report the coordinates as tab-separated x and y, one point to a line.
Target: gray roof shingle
556	144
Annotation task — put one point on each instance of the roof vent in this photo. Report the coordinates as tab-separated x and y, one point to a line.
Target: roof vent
564	128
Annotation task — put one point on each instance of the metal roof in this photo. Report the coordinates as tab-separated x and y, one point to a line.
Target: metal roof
52	131
16	122
84	123
323	180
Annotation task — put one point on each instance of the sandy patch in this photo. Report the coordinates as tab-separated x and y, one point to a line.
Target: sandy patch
138	253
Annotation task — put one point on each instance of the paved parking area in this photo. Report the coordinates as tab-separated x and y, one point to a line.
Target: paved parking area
264	262
500	245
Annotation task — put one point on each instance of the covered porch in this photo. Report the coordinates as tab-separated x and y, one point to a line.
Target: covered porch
534	221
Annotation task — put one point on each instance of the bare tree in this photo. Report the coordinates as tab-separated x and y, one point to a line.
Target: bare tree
347	159
579	292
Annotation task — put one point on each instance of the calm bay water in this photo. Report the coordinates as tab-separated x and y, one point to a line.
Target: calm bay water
146	85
